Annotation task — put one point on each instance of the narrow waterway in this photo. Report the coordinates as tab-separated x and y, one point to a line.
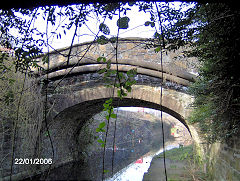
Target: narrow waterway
138	139
135	171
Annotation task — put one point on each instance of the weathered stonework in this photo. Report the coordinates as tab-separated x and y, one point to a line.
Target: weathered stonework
131	51
224	161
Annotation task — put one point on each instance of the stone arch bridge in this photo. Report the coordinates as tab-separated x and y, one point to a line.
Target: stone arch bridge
76	92
77	84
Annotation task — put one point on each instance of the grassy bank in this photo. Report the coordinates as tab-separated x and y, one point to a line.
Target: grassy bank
181	163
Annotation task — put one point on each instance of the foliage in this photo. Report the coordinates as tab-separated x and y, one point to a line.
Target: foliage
27	118
217	89
122	23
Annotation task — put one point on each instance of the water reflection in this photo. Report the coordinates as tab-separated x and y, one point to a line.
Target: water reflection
135	171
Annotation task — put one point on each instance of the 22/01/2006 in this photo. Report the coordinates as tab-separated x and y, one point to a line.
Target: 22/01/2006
32	161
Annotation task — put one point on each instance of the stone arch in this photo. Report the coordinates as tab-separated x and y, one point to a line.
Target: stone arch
174	102
72	111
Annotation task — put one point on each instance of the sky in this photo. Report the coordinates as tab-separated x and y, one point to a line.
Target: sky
136	29
87	32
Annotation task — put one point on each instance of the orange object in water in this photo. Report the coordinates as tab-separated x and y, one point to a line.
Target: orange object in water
115	148
140	160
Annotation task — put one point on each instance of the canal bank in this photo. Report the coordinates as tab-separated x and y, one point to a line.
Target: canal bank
181	164
136	170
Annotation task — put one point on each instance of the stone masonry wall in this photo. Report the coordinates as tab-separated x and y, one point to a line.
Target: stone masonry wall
224	161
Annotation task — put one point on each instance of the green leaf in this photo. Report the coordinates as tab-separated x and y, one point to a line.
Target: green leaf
132	72
119	93
117	85
104	28
113	72
107	104
109	101
147	23
98	130
99	59
106	171
107	117
102	70
128	83
157	49
100	141
102	145
102	40
122	23
133	82
152	24
113	116
109	64
120	74
110	110
129	89
113	39
45	59
157	35
102	125
104	59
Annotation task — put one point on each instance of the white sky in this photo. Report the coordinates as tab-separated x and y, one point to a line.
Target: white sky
154	112
136	28
93	24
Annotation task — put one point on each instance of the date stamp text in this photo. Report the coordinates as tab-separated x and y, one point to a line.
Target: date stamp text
32	161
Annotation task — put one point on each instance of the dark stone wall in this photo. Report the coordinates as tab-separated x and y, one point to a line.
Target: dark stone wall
224	160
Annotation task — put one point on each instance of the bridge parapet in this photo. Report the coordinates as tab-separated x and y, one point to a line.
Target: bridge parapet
132	53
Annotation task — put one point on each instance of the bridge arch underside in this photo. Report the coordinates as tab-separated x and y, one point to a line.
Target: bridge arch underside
84	104
88	109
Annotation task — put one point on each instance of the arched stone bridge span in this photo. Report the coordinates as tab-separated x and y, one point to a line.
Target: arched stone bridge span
77	82
76	92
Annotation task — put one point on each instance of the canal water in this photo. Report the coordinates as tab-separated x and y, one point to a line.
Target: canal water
136	170
138	139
